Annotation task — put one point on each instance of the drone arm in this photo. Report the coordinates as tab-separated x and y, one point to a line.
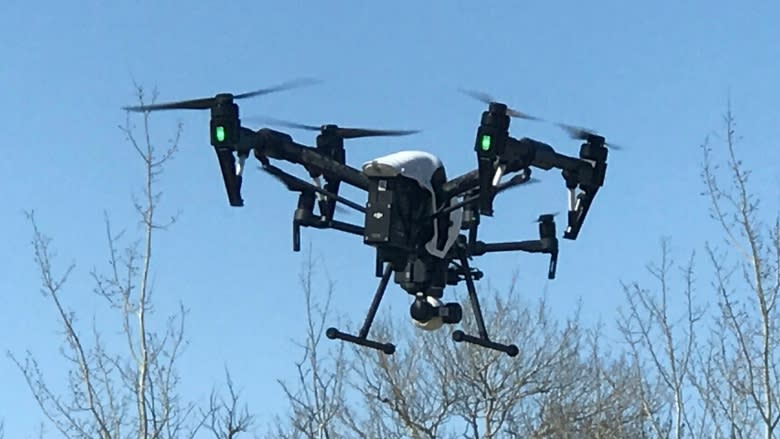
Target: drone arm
547	243
530	246
317	223
460	185
303	216
295	184
544	245
307	156
518	154
340	226
281	146
529	152
305	219
587	172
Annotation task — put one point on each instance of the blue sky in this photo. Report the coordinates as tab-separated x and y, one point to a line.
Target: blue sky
652	76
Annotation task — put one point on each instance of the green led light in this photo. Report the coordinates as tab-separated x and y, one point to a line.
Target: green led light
220	133
486	142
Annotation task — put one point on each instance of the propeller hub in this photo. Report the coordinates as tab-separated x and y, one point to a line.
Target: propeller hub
497	107
547	217
595	139
223	98
329	128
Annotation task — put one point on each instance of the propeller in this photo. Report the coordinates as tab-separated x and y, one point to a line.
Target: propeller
206	103
574	132
587	135
344	133
295	184
487	99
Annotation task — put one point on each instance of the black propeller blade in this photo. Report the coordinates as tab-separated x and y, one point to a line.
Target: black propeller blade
206	103
295	184
344	133
487	99
574	131
584	134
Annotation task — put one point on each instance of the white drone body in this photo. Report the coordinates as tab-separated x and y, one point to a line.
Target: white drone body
419	166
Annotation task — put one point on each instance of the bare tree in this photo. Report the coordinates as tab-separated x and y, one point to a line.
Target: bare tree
598	401
131	392
559	385
743	388
318	395
434	388
227	419
667	343
718	379
404	395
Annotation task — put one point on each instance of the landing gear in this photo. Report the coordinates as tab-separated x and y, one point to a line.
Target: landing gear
427	312
362	338
430	314
483	339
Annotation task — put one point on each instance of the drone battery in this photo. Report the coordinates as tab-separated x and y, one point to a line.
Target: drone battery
390	210
378	214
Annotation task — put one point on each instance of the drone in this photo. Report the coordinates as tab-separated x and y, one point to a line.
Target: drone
423	225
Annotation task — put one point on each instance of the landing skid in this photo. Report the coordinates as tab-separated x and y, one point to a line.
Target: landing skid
362	337
482	340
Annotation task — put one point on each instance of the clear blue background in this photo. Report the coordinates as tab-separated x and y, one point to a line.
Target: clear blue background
652	76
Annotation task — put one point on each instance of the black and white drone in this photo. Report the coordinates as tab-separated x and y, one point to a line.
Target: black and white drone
414	214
